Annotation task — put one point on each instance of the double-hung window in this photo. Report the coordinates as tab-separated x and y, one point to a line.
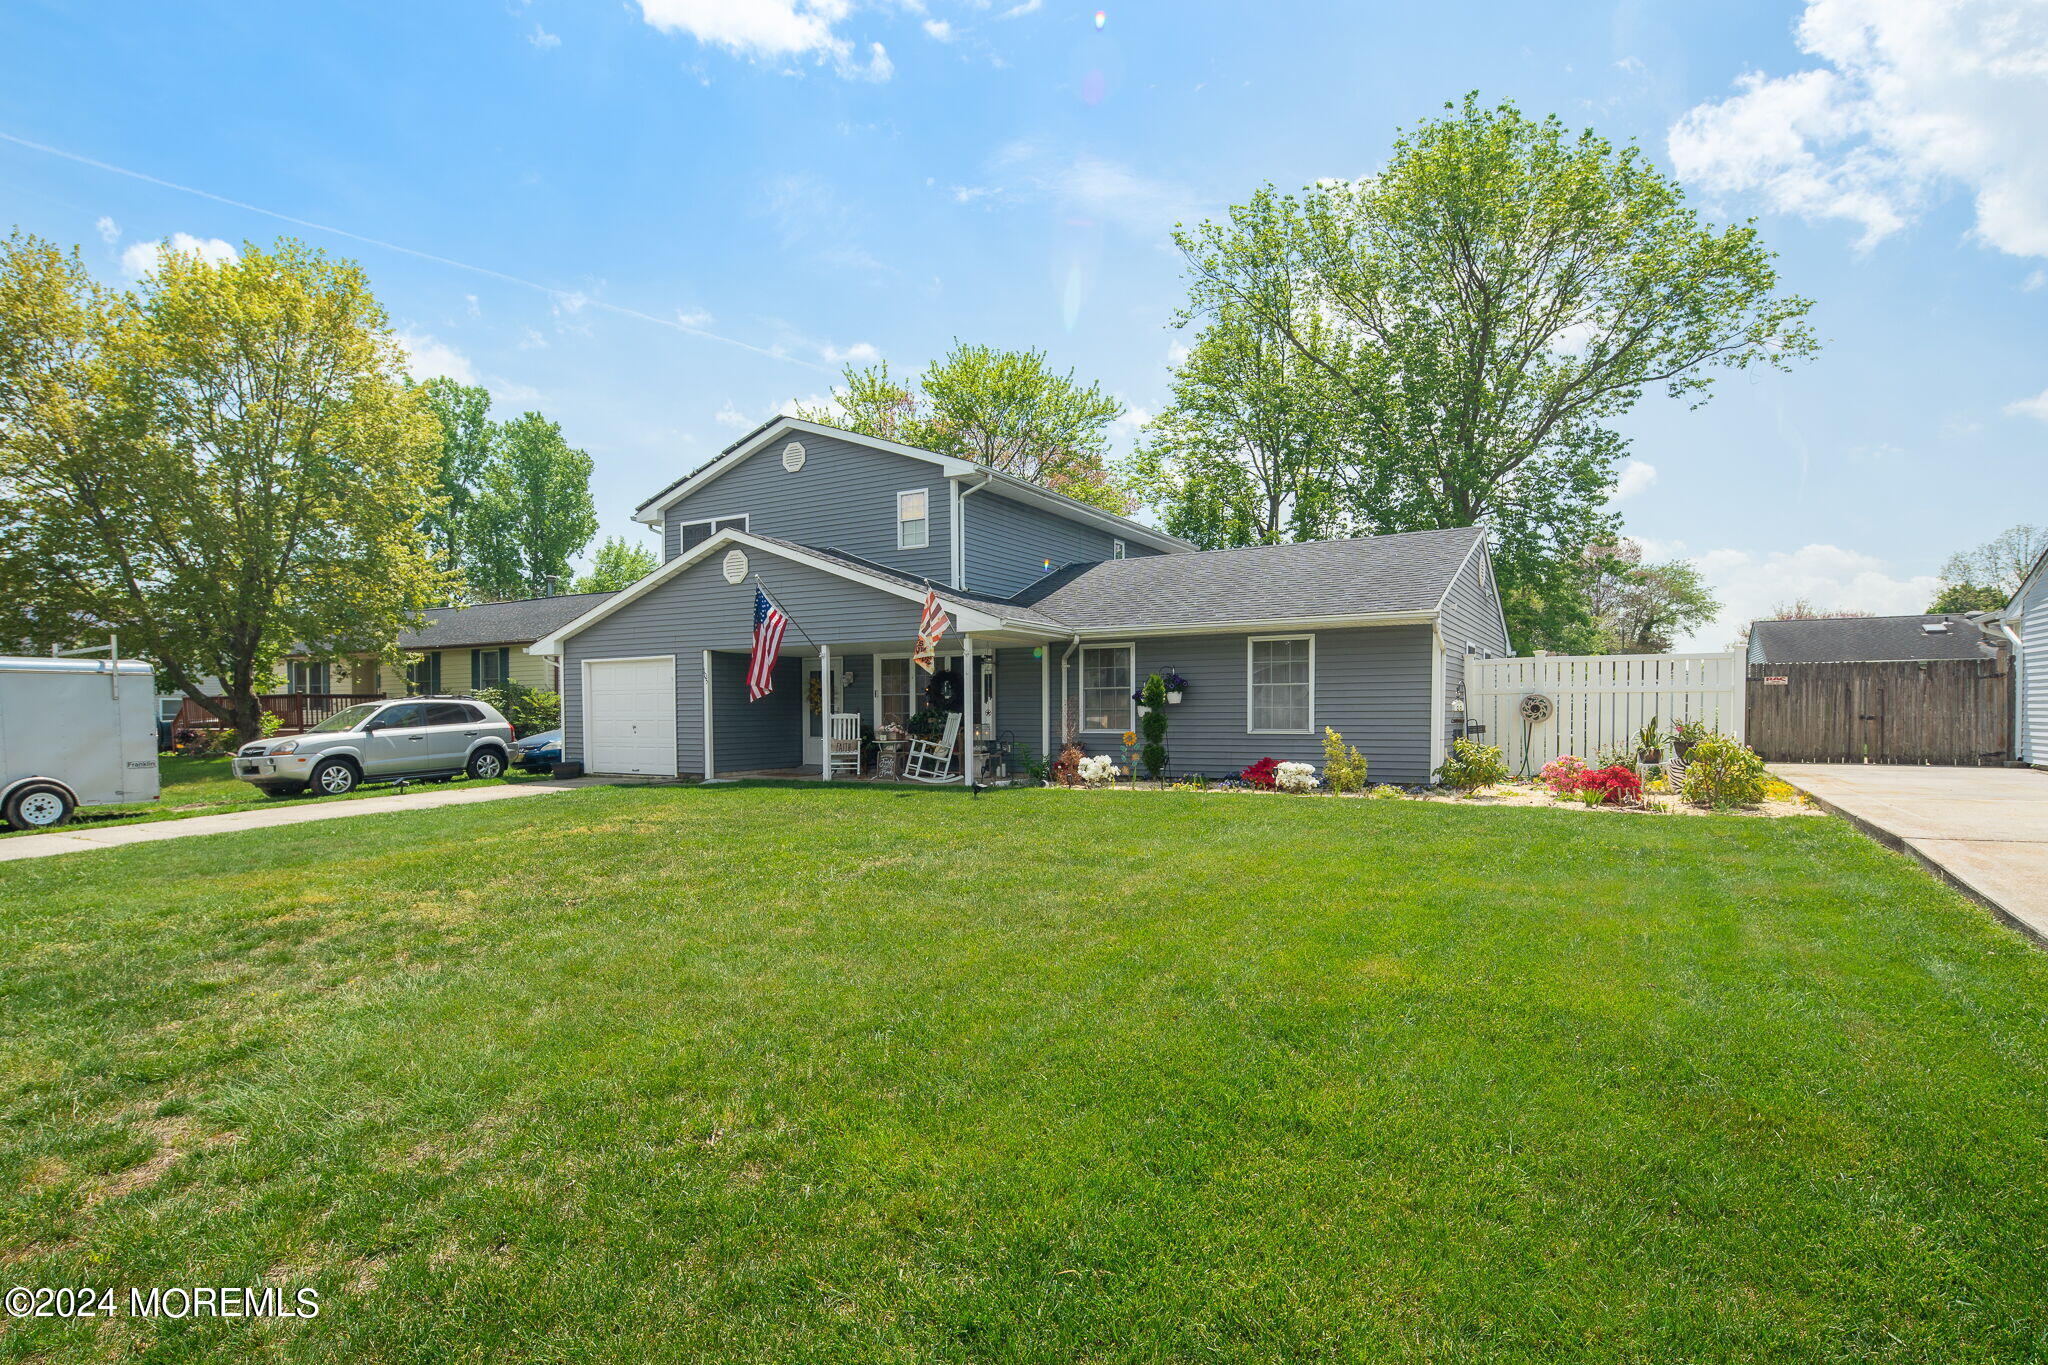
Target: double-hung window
913	519
695	533
1116	549
1281	684
1106	689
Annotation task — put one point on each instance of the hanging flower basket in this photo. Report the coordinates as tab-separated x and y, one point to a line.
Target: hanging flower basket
1176	685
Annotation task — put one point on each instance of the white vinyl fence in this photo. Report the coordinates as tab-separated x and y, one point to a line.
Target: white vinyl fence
1600	701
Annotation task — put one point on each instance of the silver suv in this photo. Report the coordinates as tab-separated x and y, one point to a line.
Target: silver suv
382	741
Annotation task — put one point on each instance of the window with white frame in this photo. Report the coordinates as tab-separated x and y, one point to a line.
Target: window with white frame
894	691
1106	689
1281	684
1116	549
913	520
308	679
695	533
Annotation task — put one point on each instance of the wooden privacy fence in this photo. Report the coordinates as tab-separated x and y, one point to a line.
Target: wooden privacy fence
1600	701
1947	711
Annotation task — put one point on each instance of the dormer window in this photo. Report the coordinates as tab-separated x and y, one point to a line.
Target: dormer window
913	520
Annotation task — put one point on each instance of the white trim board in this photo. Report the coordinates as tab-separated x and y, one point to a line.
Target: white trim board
1250	698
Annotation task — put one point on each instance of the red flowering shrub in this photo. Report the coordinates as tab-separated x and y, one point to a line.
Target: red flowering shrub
1616	785
1260	774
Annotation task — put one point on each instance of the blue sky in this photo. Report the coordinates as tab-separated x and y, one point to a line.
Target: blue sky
659	220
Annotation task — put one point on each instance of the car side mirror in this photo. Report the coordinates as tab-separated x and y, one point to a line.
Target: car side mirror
371	727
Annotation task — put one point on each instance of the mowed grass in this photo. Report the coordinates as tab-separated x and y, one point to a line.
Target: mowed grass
789	1074
204	785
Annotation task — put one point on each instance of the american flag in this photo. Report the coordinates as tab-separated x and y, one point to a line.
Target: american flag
929	628
769	624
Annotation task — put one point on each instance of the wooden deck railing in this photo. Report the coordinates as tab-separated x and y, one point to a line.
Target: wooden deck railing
297	710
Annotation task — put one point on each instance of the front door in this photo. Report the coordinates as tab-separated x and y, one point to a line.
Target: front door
814	717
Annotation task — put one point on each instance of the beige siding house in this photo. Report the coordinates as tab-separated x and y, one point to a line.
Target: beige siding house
455	651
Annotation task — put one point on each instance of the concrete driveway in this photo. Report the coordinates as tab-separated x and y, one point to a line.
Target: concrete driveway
1983	829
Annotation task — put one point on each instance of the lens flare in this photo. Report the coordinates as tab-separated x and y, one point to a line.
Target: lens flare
1101	19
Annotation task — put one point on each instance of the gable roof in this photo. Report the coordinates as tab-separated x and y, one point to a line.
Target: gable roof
1408	572
1867	639
518	622
951	466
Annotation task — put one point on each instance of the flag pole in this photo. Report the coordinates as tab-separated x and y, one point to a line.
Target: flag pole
785	614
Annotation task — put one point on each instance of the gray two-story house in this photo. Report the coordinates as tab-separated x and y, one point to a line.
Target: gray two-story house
1059	611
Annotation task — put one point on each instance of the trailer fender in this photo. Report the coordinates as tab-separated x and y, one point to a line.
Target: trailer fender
70	793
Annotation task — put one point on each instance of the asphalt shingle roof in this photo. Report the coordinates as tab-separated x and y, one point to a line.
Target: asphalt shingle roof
499	623
1866	639
1007	608
1409	571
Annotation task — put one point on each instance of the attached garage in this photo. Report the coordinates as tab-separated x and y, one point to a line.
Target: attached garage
629	716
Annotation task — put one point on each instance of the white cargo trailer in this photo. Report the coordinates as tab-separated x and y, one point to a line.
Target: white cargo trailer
74	732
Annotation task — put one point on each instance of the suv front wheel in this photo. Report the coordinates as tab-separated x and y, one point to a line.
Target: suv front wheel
335	777
487	763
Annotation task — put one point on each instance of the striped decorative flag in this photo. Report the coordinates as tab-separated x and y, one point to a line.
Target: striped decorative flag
929	628
769	625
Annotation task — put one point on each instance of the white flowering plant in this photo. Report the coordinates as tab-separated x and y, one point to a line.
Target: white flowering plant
1097	770
1295	777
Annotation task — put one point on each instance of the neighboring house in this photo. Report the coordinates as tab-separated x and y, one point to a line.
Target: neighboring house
2025	618
1059	611
458	649
1870	639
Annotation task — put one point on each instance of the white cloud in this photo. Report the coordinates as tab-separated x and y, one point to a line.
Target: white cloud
141	257
1635	476
1910	99
1090	186
939	29
1022	8
2035	407
860	353
109	230
543	39
771	29
693	317
426	358
1177	354
731	416
1833	579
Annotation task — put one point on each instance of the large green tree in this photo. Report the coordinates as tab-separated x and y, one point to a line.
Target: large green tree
618	563
531	515
217	464
1480	313
1247	452
1641	606
1008	410
1998	566
467	435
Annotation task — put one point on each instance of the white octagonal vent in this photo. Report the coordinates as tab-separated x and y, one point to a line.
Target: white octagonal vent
735	566
793	456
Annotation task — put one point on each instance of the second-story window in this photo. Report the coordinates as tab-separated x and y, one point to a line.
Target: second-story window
913	520
1116	549
695	533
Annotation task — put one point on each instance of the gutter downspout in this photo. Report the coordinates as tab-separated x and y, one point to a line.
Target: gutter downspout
2021	740
960	497
1066	659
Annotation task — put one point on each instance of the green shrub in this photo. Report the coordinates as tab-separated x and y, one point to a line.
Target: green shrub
1472	766
528	708
1723	771
1343	765
1153	726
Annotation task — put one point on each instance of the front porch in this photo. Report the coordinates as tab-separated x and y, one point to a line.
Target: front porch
831	702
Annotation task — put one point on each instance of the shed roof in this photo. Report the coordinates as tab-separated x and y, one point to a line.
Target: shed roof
1868	639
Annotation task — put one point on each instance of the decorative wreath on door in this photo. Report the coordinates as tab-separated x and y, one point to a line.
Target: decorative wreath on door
815	695
943	691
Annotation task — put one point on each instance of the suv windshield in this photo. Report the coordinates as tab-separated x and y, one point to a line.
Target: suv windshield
345	720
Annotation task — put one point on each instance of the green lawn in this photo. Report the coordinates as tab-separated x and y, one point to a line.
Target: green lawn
203	786
855	1075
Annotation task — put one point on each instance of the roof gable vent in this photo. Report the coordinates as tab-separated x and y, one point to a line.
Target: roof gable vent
793	456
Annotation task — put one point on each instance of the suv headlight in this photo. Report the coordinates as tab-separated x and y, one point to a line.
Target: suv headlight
290	746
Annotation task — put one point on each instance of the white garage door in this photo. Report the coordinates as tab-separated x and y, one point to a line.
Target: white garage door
629	716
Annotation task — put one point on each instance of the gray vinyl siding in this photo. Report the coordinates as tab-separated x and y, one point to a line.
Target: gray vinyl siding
1471	614
2031	732
844	498
751	735
1008	542
1372	685
698	610
1017	714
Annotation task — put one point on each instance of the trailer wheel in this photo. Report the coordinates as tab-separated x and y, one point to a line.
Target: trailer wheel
38	806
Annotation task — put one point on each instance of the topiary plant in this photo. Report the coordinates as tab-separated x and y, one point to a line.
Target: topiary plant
1153	726
1472	766
1343	765
1723	771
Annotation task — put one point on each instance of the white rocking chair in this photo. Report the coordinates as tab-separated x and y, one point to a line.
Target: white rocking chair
930	760
842	744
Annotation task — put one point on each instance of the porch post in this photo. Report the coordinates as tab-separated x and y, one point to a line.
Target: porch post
1045	701
710	762
971	690
825	701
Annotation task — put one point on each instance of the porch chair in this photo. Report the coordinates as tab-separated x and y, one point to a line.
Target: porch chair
930	759
842	744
